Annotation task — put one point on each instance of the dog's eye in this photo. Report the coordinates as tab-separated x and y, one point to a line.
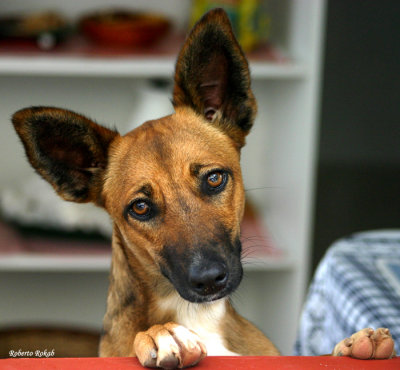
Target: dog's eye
214	182
141	209
215	179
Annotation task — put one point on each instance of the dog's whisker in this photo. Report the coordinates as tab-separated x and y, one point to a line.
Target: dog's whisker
264	188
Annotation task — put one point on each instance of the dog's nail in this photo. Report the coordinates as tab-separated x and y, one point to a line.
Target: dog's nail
170	362
153	354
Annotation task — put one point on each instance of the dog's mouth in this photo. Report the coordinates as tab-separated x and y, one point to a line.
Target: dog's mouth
195	297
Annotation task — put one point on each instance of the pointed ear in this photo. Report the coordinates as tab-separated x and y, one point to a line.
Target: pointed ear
66	149
212	76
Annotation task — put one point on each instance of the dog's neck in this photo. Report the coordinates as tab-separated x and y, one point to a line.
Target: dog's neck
191	314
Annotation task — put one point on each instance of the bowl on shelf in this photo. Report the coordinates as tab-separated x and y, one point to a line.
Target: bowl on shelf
124	28
45	29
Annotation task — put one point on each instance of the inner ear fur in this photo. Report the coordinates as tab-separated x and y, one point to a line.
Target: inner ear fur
67	149
212	76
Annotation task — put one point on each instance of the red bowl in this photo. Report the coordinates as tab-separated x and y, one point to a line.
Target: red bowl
124	28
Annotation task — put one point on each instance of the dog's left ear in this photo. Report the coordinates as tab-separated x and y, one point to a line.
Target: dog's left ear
212	76
67	149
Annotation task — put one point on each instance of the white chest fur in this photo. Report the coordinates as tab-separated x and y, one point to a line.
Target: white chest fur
203	318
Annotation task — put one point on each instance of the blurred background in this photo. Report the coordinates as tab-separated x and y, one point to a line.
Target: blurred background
322	162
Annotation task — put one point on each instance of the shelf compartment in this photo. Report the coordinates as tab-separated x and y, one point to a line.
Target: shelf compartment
18	253
78	57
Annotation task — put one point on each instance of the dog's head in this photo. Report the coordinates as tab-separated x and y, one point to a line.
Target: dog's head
173	186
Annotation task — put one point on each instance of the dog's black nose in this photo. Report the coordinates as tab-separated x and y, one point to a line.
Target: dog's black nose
209	278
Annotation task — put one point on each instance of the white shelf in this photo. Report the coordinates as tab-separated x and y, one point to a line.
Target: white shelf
87	67
23	262
147	67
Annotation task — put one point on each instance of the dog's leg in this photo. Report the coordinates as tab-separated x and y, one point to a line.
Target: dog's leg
367	344
169	346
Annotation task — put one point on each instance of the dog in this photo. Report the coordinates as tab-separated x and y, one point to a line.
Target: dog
174	191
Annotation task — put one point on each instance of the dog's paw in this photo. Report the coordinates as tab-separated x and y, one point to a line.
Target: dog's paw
367	344
169	346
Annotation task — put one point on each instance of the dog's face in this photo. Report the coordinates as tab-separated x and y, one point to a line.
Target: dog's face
180	202
173	186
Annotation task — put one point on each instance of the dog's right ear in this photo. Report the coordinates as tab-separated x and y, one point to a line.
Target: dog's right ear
67	149
212	77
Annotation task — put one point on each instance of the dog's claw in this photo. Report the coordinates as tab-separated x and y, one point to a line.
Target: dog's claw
169	346
169	362
367	344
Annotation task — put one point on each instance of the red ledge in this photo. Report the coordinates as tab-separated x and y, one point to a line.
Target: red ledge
283	362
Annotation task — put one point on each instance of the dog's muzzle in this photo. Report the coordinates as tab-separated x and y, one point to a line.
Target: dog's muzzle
205	275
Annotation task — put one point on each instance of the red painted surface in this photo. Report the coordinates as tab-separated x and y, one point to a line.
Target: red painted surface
219	363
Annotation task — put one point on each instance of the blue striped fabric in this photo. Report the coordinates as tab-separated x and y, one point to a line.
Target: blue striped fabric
354	287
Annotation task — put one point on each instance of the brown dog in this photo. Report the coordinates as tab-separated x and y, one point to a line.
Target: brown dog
173	188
